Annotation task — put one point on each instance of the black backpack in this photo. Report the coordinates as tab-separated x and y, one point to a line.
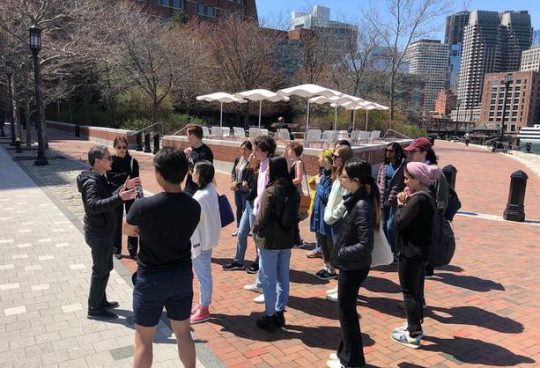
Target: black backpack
443	242
289	213
454	204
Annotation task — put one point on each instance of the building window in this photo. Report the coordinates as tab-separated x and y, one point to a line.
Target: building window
206	10
518	81
513	127
175	4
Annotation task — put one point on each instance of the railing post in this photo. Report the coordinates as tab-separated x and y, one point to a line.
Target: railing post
77	130
156	143
139	141
147	143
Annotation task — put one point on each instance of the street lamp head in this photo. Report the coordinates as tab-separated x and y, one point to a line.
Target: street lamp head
34	40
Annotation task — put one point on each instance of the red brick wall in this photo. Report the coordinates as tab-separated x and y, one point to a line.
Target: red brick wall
89	132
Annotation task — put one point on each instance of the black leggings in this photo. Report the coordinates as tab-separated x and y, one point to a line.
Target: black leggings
350	351
411	276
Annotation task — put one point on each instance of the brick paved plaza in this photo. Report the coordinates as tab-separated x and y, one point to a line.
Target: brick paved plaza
484	309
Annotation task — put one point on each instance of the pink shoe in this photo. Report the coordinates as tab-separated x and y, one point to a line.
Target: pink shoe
200	316
195	309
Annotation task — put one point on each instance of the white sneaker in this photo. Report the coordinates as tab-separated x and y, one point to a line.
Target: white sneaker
333	356
253	287
332	297
333	364
403	327
331	291
259	299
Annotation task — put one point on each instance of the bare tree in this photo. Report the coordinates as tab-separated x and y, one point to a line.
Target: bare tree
399	23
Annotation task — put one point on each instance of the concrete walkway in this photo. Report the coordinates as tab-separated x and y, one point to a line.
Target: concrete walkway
44	280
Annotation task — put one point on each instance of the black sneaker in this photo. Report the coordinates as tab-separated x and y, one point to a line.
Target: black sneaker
325	275
110	305
280	318
233	266
254	268
102	314
267	323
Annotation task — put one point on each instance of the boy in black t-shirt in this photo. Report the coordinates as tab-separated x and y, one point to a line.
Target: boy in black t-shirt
164	223
197	151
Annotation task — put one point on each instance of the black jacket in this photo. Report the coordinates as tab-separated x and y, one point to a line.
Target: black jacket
267	229
354	243
414	222
121	168
99	202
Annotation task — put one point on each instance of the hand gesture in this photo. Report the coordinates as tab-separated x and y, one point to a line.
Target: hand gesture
233	187
127	194
188	152
131	183
402	198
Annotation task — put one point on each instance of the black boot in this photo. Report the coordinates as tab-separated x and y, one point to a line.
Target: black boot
280	318
267	323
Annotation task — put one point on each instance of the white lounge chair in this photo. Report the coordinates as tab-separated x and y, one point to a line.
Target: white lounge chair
205	132
374	135
283	134
254	132
363	136
225	132
239	133
216	132
328	137
313	136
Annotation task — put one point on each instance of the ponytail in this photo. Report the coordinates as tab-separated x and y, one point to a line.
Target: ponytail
376	199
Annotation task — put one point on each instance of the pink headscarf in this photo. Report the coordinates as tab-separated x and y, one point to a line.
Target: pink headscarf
425	173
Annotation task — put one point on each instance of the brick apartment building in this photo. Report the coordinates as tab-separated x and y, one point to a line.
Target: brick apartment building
522	101
205	9
445	102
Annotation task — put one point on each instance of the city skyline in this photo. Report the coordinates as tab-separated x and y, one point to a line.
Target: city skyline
274	13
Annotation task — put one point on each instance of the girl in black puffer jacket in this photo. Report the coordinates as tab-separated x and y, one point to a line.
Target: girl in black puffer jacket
352	256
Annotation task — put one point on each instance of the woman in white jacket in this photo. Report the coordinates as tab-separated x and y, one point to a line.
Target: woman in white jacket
205	237
335	209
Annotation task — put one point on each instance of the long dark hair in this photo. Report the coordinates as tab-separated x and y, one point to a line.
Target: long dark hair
279	172
361	171
206	173
431	157
122	139
399	154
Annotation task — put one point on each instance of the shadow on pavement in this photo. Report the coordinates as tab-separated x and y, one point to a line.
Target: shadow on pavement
381	285
474	316
323	337
475	351
319	307
468	282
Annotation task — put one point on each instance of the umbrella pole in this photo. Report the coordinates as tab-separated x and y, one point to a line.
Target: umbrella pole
221	115
260	110
353	119
307	124
366	119
335	119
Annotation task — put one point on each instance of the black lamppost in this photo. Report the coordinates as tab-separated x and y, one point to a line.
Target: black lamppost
507	81
34	42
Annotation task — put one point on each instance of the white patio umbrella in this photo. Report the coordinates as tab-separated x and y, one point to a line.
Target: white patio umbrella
261	95
360	106
221	97
307	91
337	101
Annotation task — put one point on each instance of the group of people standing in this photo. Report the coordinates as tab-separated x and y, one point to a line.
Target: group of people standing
172	234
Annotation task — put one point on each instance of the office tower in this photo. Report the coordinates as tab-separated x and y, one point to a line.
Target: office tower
536	38
455	26
492	42
530	60
429	60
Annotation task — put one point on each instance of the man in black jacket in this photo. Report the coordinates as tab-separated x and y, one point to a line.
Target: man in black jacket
100	222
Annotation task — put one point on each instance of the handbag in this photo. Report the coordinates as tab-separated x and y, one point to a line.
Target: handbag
225	210
382	254
305	203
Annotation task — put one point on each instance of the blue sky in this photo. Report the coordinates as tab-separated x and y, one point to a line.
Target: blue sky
277	12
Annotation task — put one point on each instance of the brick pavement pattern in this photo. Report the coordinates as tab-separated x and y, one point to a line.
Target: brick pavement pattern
483	309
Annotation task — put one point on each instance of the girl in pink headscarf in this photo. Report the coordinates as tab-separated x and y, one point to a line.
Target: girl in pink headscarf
414	221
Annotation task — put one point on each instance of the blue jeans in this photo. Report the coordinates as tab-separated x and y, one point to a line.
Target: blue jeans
240	202
202	266
274	276
243	230
389	226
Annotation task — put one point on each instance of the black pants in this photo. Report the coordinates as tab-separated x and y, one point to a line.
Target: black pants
411	277
132	242
297	237
102	264
350	351
327	245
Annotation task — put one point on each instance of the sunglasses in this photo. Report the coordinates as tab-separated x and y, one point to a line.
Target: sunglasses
121	147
